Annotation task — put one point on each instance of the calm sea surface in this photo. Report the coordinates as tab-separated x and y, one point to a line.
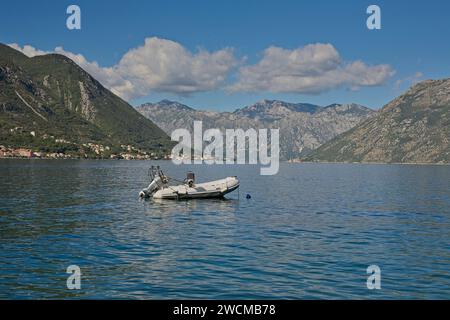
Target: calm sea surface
309	232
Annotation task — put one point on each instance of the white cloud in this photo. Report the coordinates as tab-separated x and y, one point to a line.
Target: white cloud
312	69
159	65
28	50
165	65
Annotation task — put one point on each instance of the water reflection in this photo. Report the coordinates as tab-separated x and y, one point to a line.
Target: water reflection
164	207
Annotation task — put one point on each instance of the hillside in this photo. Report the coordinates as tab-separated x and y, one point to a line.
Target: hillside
49	104
413	128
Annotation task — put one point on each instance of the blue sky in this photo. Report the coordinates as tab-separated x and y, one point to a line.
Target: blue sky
413	42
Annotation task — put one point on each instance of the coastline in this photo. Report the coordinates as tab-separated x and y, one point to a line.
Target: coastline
284	161
376	163
81	158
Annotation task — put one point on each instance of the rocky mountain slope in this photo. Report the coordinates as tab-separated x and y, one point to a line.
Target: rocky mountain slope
303	127
48	103
414	127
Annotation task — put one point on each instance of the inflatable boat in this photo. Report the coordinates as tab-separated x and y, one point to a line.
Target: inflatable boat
161	188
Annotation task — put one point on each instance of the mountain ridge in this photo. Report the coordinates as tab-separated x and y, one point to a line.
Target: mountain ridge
412	128
303	126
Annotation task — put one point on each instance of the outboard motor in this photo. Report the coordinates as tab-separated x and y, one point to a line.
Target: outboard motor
154	186
190	179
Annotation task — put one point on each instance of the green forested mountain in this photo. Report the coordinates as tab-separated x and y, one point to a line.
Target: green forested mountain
48	103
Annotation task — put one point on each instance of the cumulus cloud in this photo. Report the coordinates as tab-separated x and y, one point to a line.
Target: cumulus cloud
159	65
28	50
311	69
167	66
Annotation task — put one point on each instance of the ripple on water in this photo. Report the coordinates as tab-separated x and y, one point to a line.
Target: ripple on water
308	232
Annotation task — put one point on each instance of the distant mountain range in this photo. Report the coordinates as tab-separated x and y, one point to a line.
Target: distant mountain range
303	127
49	104
413	128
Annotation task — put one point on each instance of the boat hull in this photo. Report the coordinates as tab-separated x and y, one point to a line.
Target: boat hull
213	189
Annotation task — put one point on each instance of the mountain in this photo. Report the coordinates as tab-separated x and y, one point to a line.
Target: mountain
413	128
303	127
48	103
275	110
